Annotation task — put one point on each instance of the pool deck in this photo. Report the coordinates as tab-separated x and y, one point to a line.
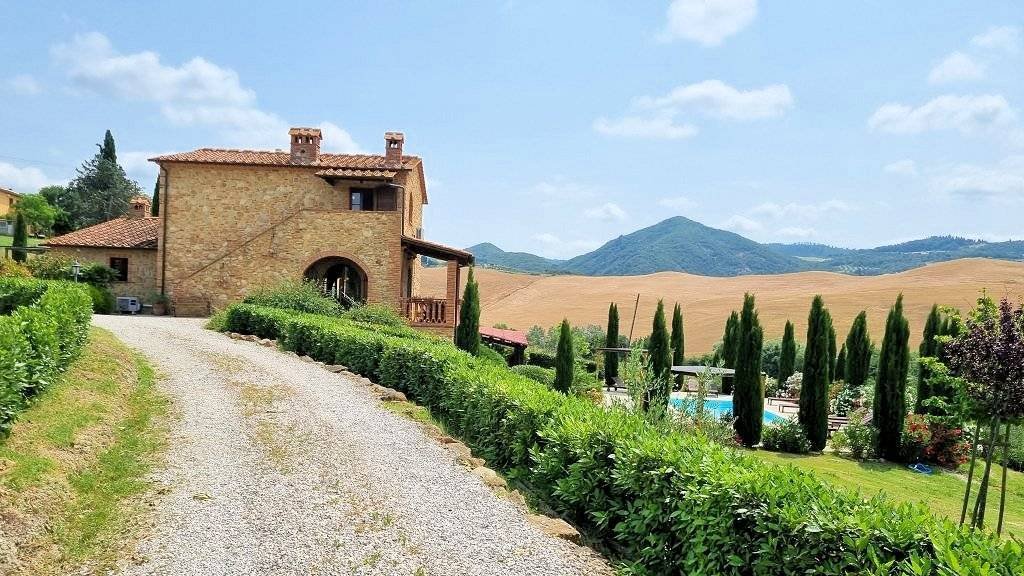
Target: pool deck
621	397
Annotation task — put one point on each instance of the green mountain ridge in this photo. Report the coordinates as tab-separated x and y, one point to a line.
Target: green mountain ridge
679	244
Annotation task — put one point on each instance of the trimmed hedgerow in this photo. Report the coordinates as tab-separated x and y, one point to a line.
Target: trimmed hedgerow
545	376
661	501
44	327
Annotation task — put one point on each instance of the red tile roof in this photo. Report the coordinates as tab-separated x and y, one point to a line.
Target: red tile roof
282	158
355	173
123	232
503	336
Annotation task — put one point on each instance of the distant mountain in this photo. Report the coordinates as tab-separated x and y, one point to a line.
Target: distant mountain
682	245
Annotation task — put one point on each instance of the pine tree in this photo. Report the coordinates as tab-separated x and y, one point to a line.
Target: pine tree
155	209
787	357
565	359
20	239
840	365
100	191
730	340
467	333
611	359
890	404
858	352
661	358
929	349
813	415
676	341
748	395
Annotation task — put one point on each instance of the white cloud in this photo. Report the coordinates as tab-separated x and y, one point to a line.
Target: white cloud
606	212
739	223
24	179
337	139
718	99
560	190
659	127
966	114
241	126
1005	38
707	22
957	67
901	167
25	85
680	203
137	165
803	211
1002	180
93	63
796	232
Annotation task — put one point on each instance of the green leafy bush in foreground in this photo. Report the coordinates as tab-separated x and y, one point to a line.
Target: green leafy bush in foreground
660	501
786	436
545	376
44	326
299	296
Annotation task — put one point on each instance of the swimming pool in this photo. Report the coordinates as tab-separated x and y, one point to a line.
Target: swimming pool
719	406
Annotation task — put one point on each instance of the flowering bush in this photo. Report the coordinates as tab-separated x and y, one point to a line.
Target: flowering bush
786	436
792	387
948	447
917	436
861	436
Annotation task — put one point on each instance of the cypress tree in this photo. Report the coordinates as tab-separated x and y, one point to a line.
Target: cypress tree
155	210
890	406
565	359
787	357
107	150
611	359
929	348
832	358
730	340
858	352
20	239
467	334
813	415
661	357
676	341
840	365
748	395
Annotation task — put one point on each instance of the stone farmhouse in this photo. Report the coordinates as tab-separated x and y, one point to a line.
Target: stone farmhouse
234	220
8	198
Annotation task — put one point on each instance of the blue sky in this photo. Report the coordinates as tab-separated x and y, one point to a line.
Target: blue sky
552	127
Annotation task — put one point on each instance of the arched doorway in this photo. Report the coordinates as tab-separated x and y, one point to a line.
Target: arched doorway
339	278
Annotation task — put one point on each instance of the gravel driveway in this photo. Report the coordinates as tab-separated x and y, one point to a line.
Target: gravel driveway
277	466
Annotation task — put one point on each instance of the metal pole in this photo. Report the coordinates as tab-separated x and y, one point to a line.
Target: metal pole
633	325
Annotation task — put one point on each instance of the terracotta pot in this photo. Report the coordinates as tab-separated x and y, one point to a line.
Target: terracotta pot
159	308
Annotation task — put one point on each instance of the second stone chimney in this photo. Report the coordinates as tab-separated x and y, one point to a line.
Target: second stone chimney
305	145
393	148
141	207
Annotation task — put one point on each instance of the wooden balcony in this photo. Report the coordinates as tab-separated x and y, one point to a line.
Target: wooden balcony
425	311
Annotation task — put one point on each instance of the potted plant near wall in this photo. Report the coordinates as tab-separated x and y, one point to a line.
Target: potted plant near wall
160	302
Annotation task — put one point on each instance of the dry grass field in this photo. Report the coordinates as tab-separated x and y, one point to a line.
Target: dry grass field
522	300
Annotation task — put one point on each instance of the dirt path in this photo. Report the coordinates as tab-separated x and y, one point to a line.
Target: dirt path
277	466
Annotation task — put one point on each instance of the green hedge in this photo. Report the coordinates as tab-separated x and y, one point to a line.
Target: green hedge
661	501
45	328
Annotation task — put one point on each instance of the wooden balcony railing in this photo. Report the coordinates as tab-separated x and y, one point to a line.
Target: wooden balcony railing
429	311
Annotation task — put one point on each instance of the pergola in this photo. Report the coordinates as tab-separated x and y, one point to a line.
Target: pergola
505	337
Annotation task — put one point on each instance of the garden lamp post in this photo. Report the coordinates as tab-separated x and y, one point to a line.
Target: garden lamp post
75	269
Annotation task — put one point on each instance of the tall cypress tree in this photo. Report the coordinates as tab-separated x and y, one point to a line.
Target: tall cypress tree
155	209
858	352
676	341
730	341
929	349
108	151
467	334
565	359
890	406
832	357
661	357
20	239
611	359
787	354
748	395
813	415
840	365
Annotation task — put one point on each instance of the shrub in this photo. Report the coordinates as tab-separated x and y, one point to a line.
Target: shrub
948	447
545	376
840	442
103	300
299	296
541	358
43	332
97	275
492	356
916	438
786	436
662	501
862	436
11	269
379	314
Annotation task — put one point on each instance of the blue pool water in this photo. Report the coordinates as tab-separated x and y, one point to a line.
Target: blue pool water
719	406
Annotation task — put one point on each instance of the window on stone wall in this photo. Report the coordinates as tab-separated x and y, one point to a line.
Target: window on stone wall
121	266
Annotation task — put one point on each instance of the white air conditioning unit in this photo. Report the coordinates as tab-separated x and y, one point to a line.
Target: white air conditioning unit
128	304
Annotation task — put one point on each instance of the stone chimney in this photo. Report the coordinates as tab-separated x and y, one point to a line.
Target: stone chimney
141	207
393	148
305	145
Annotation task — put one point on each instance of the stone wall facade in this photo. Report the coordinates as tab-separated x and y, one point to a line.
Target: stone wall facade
141	281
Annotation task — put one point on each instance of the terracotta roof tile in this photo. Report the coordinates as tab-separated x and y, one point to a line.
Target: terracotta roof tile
121	232
282	158
355	173
304	132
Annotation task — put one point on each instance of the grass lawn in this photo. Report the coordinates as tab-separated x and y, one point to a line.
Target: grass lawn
9	241
76	460
942	492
